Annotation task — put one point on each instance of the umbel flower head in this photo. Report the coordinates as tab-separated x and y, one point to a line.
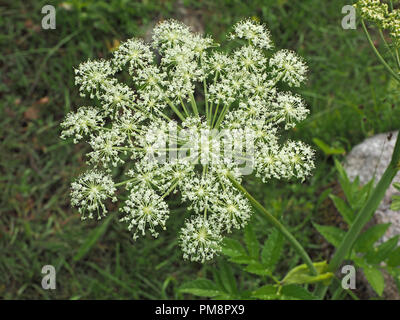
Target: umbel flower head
384	17
188	125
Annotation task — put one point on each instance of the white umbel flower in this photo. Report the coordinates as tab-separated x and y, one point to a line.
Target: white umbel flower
89	192
231	210
289	67
200	239
135	52
171	146
93	76
144	208
80	123
289	109
257	34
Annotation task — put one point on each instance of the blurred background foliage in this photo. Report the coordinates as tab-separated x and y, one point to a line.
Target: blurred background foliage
348	92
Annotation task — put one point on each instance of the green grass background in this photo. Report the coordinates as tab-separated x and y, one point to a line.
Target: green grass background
348	92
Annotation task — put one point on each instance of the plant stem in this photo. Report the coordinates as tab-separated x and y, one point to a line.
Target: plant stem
281	228
388	68
364	215
369	208
194	105
376	197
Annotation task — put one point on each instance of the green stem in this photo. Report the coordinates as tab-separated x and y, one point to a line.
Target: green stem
124	182
174	184
183	106
388	68
376	197
272	220
206	99
221	116
364	215
194	105
177	112
369	208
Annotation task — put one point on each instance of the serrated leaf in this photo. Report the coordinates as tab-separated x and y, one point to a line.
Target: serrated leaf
251	242
202	288
375	279
272	250
226	280
92	238
367	239
383	251
345	211
233	248
267	292
332	234
297	292
258	269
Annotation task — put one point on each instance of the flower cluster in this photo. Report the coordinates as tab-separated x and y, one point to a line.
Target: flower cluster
379	12
195	121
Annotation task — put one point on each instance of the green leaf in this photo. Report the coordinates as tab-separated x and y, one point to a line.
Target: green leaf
258	269
251	242
361	194
301	274
346	212
201	287
225	278
332	234
296	292
327	150
233	248
382	252
375	279
92	238
367	239
267	292
395	206
344	181
394	258
272	250
395	273
396	185
242	260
